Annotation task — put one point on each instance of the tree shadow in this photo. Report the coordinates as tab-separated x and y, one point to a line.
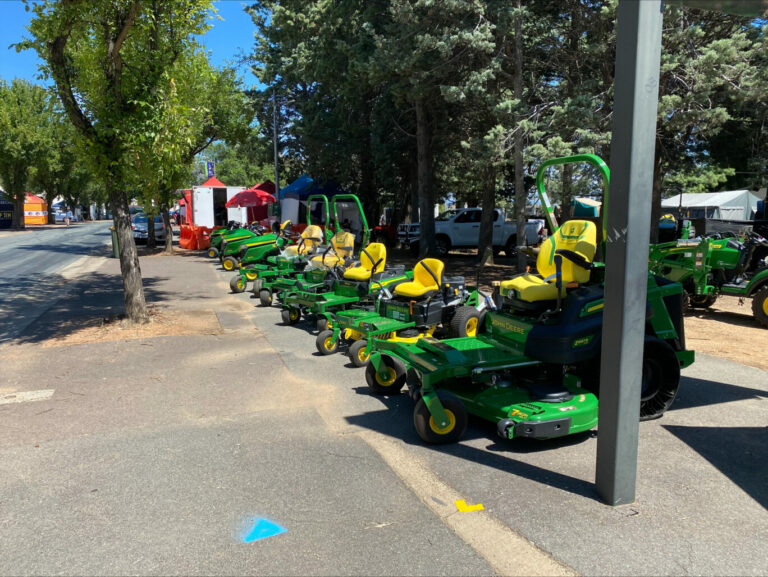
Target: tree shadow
396	421
739	453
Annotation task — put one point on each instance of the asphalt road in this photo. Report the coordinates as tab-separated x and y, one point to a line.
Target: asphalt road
36	265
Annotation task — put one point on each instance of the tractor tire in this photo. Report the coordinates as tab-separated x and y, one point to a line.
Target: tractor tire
229	263
213	252
265	298
290	316
357	353
465	322
393	383
660	380
237	284
701	301
510	249
428	429
442	245
760	306
324	344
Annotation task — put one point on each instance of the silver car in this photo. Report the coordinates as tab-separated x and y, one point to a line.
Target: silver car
139	226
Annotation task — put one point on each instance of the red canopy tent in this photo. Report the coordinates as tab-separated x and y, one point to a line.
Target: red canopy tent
256	199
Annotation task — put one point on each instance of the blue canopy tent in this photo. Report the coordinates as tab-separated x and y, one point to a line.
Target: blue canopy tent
293	199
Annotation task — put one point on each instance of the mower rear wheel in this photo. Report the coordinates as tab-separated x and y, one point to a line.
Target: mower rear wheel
701	301
430	431
291	315
213	252
229	263
357	353
395	377
265	298
237	284
760	306
325	343
660	380
465	322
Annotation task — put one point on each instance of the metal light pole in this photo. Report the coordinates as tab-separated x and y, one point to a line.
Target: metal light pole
638	53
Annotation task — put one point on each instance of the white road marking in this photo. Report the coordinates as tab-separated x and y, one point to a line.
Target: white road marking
26	396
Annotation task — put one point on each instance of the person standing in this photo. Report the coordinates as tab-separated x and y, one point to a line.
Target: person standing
68	217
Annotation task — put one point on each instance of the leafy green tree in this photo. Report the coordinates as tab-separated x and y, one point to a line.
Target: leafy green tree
108	60
23	112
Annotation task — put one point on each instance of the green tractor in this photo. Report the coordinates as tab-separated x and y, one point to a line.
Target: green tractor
260	263
710	266
534	372
430	305
328	261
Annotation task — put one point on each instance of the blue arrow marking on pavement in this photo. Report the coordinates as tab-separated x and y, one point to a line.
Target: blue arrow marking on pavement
262	529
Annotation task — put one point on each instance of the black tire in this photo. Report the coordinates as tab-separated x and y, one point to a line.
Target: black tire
229	263
465	322
357	354
660	380
760	306
392	385
213	252
265	298
237	284
442	245
428	429
701	301
257	284
323	343
290	316
510	249
496	251
322	324
686	305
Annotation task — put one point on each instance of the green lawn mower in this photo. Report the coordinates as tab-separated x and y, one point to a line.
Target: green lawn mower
229	249
429	305
709	267
217	236
534	372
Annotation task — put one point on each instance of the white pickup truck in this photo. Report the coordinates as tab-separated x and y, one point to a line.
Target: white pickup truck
460	228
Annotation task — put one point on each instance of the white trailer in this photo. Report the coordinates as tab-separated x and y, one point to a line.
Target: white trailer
208	204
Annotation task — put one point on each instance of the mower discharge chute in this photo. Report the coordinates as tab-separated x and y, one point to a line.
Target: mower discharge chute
535	371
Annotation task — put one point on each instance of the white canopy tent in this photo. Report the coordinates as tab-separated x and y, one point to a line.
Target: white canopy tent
727	205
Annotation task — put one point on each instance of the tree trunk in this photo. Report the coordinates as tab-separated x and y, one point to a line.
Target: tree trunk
488	205
168	230
425	176
18	212
565	204
658	181
520	195
135	305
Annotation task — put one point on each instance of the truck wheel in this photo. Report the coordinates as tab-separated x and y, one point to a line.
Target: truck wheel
265	298
394	381
237	284
511	247
325	343
357	353
660	380
760	306
442	245
430	431
465	322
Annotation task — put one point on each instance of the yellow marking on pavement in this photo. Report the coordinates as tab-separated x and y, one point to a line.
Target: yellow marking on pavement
462	506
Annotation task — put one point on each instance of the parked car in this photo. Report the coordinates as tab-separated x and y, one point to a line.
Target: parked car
139	225
460	228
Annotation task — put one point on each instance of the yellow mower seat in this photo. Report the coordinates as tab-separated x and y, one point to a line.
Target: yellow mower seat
372	260
579	236
423	282
343	248
312	236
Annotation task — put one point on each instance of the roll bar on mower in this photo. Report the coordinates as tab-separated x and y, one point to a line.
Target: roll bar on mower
356	201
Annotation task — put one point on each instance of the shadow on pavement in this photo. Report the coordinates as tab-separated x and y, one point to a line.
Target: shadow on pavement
702	393
397	421
739	453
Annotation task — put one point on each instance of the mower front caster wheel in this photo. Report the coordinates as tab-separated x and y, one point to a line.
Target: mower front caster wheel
357	353
213	252
322	324
291	316
229	263
325	343
394	380
439	433
265	298
237	284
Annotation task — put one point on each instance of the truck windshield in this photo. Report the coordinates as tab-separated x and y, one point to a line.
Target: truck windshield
447	214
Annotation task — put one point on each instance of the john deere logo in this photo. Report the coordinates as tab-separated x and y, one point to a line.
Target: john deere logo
507	325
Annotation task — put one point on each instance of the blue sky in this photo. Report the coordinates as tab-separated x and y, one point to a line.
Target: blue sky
226	42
